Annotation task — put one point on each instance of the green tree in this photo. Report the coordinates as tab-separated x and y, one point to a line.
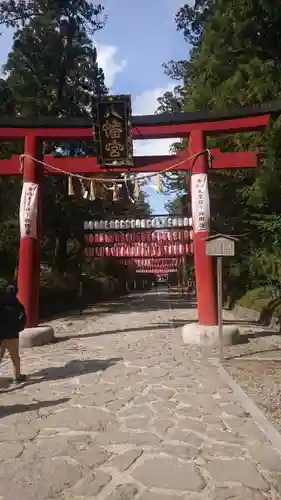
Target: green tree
235	60
52	70
17	13
9	195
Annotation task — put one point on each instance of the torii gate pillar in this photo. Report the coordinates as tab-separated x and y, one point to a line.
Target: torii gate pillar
29	253
204	273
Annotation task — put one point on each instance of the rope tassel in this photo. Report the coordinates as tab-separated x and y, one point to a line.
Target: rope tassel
115	194
84	191
136	190
70	189
92	191
159	184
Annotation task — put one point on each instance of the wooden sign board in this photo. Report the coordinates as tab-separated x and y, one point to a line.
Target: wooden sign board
113	130
220	247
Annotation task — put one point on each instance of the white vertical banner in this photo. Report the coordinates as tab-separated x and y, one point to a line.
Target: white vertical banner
200	203
29	210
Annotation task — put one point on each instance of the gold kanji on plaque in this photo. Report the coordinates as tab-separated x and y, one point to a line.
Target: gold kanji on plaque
113	131
114	149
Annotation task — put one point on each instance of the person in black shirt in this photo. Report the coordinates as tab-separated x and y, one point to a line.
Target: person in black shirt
12	322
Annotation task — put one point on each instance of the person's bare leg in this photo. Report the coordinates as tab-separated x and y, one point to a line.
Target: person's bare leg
12	346
2	351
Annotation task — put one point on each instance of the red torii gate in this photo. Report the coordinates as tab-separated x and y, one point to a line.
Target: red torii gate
196	126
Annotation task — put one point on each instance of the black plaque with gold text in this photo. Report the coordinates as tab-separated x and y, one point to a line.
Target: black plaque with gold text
113	130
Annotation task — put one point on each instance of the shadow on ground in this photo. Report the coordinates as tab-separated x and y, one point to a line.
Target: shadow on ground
153	327
242	355
148	301
6	411
73	368
247	337
240	322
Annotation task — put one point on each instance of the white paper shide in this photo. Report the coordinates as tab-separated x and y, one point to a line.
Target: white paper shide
200	203
29	210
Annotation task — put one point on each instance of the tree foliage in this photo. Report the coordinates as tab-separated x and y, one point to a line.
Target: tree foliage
17	13
52	70
235	60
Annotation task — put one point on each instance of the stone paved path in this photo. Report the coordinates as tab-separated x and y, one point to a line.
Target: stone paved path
122	410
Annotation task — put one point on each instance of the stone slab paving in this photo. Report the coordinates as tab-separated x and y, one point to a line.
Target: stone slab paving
122	410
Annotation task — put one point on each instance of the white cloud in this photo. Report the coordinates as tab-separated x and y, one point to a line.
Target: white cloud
110	62
146	104
153	147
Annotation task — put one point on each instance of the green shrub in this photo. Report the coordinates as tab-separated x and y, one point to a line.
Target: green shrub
257	299
261	300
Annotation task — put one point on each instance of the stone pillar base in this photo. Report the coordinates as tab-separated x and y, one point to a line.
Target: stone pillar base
40	335
193	333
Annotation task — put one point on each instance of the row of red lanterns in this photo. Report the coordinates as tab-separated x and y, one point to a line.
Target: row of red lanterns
163	268
156	271
138	250
141	237
155	263
158	222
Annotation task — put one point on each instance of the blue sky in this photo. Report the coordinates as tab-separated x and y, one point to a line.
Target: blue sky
138	38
